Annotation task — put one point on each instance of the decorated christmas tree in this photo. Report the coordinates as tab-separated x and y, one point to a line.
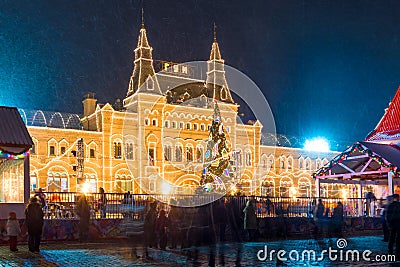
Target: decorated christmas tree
216	171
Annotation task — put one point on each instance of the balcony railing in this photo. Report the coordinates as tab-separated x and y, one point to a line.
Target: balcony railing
62	205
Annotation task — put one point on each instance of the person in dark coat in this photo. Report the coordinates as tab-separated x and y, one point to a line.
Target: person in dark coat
150	225
34	221
250	219
338	219
393	220
83	211
319	217
161	229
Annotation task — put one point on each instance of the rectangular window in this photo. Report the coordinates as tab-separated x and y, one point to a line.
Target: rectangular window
181	125
51	150
33	149
174	125
91	153
195	126
62	150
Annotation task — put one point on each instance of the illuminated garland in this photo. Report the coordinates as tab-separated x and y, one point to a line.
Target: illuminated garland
8	155
357	147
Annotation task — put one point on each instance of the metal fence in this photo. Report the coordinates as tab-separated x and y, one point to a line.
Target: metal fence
62	205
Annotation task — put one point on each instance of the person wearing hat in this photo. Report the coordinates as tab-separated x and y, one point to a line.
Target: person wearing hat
34	221
393	220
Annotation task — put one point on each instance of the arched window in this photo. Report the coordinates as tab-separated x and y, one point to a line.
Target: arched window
290	163
189	153
301	163
154	122
188	126
308	163
146	122
270	162
166	124
199	154
178	153
248	158
167	153
282	162
117	150
129	151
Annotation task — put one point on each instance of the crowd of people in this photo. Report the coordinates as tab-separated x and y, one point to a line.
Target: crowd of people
323	222
183	227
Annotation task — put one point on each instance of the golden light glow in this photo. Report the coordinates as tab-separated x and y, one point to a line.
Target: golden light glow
166	188
86	188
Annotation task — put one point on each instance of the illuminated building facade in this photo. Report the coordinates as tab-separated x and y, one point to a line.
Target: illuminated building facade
158	132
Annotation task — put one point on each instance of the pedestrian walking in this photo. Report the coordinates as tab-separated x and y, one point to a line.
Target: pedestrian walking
250	219
34	221
393	219
83	211
13	230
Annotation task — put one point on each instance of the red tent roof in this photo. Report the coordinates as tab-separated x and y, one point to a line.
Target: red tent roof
388	127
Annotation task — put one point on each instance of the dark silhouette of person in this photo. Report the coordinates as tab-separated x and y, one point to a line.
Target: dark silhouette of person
34	221
161	228
83	211
250	219
102	202
150	226
338	219
174	220
385	228
42	197
319	216
393	219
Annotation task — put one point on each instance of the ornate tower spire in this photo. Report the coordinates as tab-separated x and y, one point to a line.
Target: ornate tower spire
216	84
143	64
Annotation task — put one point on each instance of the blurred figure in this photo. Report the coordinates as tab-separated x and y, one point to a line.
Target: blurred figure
338	219
150	226
250	219
83	211
174	220
102	202
34	223
13	230
318	216
42	197
393	219
384	206
161	228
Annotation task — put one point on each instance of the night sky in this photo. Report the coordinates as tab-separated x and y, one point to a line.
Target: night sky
327	68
